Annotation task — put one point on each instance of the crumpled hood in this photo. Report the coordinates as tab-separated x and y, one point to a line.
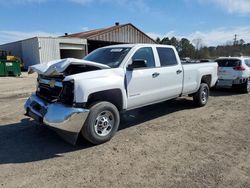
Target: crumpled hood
93	75
56	67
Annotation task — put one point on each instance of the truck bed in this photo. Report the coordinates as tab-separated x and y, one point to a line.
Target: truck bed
192	77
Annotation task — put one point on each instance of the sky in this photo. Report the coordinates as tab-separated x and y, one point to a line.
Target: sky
215	22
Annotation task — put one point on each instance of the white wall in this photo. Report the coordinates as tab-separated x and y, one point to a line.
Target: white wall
43	49
30	52
48	49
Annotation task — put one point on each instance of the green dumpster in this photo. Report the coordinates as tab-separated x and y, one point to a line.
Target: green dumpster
10	68
2	69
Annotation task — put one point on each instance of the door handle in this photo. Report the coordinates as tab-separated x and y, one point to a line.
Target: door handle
178	71
155	74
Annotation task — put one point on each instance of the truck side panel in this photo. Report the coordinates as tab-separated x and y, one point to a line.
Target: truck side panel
193	74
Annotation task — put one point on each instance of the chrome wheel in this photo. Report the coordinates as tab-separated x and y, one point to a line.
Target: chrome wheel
104	123
204	95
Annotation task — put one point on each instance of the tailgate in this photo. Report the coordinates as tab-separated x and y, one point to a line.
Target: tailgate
228	73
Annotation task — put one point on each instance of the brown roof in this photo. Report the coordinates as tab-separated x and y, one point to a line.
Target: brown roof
92	33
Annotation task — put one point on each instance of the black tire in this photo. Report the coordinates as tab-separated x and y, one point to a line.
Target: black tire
245	87
201	96
94	129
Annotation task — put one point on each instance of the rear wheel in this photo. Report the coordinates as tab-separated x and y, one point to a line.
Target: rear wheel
102	123
201	96
246	86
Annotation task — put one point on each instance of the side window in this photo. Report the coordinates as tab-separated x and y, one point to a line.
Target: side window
167	56
247	61
145	53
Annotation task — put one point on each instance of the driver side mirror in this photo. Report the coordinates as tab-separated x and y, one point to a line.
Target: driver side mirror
137	63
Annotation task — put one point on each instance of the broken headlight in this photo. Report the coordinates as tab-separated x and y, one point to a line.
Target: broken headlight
67	93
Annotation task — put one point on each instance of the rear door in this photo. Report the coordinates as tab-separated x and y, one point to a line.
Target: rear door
171	73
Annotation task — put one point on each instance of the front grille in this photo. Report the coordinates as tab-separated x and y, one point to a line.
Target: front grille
49	89
56	77
47	93
53	89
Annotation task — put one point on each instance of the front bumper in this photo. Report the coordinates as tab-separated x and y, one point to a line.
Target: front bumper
66	121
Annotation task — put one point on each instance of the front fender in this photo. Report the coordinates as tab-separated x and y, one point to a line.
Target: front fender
96	81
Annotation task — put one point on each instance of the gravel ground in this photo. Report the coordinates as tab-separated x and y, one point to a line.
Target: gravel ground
171	144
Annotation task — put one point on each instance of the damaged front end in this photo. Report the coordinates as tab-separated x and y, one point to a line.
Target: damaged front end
65	120
53	103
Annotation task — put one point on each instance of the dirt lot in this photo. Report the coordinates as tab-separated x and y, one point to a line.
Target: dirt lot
171	144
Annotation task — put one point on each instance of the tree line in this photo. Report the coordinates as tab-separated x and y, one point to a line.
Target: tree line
196	49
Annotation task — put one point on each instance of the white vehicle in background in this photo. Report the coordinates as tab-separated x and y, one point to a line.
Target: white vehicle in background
234	72
86	96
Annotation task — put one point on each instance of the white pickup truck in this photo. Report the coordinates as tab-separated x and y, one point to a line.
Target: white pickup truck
86	96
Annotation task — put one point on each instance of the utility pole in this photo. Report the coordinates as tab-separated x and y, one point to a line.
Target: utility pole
235	39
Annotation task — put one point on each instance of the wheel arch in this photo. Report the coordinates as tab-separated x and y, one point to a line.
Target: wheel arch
207	79
113	96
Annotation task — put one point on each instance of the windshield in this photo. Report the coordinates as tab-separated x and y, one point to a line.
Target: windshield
108	56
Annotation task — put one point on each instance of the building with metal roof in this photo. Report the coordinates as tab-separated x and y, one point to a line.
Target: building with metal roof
43	49
117	34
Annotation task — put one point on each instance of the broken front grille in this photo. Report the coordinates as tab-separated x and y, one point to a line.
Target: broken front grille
49	88
47	93
52	89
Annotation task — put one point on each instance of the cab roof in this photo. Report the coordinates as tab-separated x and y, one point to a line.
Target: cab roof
137	45
239	58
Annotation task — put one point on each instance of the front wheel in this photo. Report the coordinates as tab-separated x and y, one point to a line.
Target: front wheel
201	96
102	123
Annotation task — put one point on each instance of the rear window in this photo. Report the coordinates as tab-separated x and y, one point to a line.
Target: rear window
167	56
247	61
228	62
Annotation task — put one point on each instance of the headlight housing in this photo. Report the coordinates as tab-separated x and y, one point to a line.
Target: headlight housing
67	94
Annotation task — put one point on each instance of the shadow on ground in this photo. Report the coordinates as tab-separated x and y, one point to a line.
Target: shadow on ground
220	92
27	141
141	115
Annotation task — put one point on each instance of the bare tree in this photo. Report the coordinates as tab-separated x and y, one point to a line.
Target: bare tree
229	43
198	43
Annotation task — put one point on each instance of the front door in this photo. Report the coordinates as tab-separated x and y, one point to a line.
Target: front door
142	82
